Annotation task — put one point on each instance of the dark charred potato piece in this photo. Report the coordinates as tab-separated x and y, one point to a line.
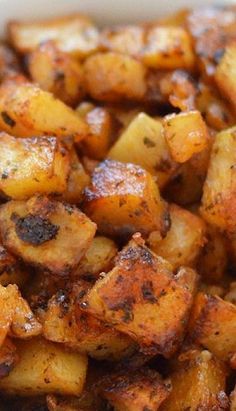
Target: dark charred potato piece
32	165
198	383
139	391
48	234
123	39
213	325
141	297
226	72
123	199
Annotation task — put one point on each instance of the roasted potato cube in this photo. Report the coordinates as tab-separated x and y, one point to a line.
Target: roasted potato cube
114	77
168	48
123	199
142	390
50	235
143	143
8	357
57	72
123	39
226	73
9	62
28	111
75	35
142	298
233	400
186	134
32	165
198	384
183	241
219	201
213	325
11	269
45	367
64	322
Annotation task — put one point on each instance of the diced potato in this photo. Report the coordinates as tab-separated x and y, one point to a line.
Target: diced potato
186	134
28	111
213	325
114	77
45	367
143	143
123	39
75	35
32	165
9	62
183	241
8	358
219	201
57	72
123	199
143	299
64	322
11	269
50	235
168	48
98	258
226	73
199	383
143	390
59	403
231	296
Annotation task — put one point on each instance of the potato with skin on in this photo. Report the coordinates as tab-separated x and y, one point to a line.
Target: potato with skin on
123	199
226	73
45	367
218	200
8	357
186	134
75	35
114	77
142	298
57	72
213	325
32	165
184	240
198	383
142	390
143	143
128	39
28	111
47	234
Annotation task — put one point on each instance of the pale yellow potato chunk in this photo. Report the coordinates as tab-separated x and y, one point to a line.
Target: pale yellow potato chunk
226	74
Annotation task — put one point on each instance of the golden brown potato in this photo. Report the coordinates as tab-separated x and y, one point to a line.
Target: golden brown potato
75	35
8	357
139	391
218	201
45	367
186	134
11	270
123	199
213	325
59	403
57	72
199	383
143	143
123	39
143	299
50	235
226	73
183	241
32	165
167	48
114	77
28	111
231	295
9	62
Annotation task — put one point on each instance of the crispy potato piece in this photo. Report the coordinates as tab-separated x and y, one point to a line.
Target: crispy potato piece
32	165
233	400
68	404
218	201
57	72
168	48
75	35
226	73
186	134
231	295
45	367
123	199
65	323
11	270
143	143
8	358
45	233
142	298
183	241
142	390
213	325
98	258
9	62
28	111
123	39
114	77
198	384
